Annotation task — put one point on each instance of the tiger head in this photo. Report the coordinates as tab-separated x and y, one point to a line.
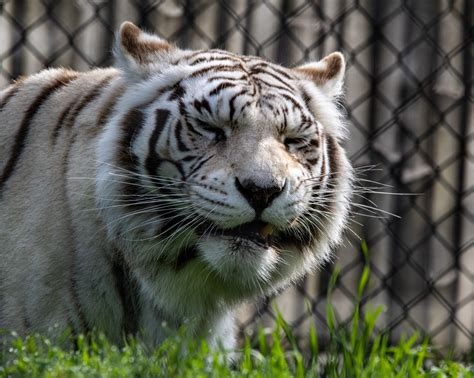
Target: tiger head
226	162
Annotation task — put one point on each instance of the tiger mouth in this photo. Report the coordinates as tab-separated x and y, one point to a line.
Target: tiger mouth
257	232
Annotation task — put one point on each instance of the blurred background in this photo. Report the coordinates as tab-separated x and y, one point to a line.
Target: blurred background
409	97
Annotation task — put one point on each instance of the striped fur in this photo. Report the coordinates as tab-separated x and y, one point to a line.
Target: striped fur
140	198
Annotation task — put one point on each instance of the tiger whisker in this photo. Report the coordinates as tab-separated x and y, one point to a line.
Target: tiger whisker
153	220
152	179
176	227
134	173
169	204
114	181
154	186
368	208
156	179
203	220
326	215
356	170
151	209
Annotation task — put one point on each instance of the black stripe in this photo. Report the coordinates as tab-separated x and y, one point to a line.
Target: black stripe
10	93
209	53
274	68
314	142
70	117
212	59
306	99
131	125
304	125
285	121
152	160
192	129
279	79
77	304
231	103
229	78
188	158
324	172
61	119
178	92
198	165
333	157
126	288
274	86
107	109
217	68
220	87
177	132
202	104
24	129
248	103
269	96
182	109
79	311
295	103
269	106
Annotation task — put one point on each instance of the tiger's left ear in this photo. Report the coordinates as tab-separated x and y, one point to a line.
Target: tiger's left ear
328	73
138	52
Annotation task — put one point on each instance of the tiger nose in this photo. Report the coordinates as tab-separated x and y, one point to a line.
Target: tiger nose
259	197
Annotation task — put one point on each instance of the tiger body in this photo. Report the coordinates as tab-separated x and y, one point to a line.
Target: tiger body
167	191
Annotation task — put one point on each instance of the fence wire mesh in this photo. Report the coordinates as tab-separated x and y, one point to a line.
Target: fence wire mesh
409	101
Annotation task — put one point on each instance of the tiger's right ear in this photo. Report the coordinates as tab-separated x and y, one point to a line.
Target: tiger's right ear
140	53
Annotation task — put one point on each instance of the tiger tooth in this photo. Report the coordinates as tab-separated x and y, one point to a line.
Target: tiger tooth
266	230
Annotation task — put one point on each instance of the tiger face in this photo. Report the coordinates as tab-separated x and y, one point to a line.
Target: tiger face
226	162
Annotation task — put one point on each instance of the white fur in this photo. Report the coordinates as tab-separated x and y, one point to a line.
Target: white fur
62	224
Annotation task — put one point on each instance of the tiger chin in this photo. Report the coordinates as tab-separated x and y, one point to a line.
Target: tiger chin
167	190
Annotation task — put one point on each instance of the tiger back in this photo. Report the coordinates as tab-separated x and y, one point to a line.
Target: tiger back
167	190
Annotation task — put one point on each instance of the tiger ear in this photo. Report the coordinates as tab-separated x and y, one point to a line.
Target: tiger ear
138	52
328	73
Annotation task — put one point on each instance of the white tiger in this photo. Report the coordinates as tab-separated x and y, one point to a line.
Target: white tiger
169	189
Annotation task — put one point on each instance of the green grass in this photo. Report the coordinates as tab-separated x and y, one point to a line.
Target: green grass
353	351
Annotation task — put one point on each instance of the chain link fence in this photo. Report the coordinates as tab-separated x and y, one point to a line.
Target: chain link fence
409	98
